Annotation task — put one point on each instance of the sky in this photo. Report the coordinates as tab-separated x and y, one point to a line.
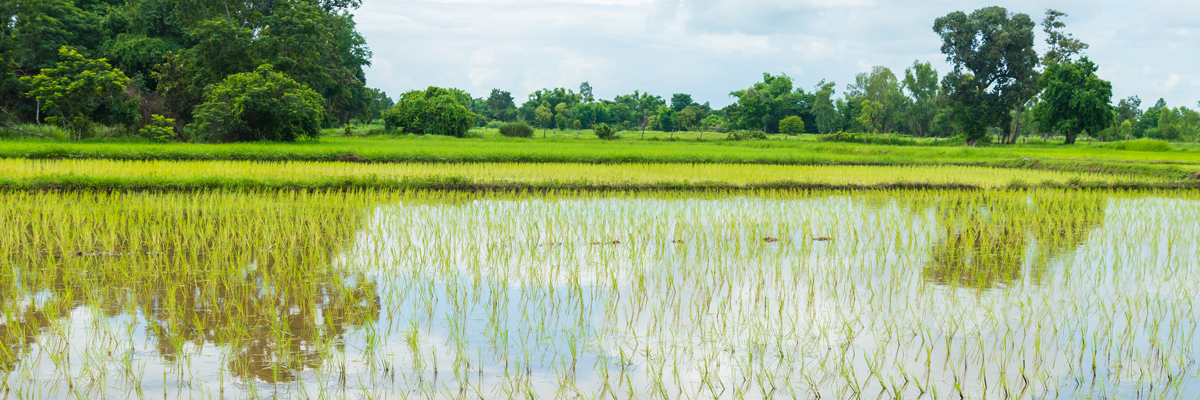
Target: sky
708	48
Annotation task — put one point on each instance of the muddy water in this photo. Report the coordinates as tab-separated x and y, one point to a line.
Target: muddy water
907	295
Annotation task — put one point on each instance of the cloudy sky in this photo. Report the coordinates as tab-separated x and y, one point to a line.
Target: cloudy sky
708	48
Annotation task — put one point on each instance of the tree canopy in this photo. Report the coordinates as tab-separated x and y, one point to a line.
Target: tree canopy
1075	100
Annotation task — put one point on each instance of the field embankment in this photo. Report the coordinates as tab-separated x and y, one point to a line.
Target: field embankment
1176	164
23	174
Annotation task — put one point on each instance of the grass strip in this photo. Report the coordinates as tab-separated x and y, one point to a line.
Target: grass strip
186	184
1169	165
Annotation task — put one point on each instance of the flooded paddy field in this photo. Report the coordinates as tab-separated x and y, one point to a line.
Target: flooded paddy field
908	294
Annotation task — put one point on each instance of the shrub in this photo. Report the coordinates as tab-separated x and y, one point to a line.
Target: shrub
516	129
1141	145
433	111
259	105
746	135
855	137
605	132
791	125
160	129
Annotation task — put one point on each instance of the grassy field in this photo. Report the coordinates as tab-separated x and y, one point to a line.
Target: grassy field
1172	164
126	174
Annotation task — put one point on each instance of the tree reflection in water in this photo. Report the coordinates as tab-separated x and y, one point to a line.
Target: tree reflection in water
252	274
997	238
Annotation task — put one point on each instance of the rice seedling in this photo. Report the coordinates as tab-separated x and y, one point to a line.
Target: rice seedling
430	294
166	175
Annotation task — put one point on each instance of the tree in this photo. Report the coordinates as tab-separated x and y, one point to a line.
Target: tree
74	88
1129	109
791	125
1075	100
561	116
993	57
921	81
689	117
1125	131
1063	46
259	105
499	102
827	116
870	118
585	91
544	116
433	111
679	101
881	87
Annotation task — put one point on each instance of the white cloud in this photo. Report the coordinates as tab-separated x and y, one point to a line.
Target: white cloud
738	42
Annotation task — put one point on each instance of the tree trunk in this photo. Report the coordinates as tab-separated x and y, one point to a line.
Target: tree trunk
1016	130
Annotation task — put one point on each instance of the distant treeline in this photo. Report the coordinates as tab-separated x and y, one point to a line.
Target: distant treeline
206	70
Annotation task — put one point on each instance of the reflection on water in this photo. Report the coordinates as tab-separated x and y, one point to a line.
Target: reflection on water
452	295
253	279
995	238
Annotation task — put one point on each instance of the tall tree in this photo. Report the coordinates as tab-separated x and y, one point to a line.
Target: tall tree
543	116
585	90
827	116
883	90
993	57
1075	100
921	82
1063	46
679	101
498	103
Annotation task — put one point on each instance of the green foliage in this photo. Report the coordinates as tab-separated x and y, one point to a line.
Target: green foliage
871	115
543	116
827	116
994	67
852	137
882	89
1141	145
259	105
1075	99
499	102
433	111
160	129
516	129
921	81
137	55
74	88
791	125
739	135
603	131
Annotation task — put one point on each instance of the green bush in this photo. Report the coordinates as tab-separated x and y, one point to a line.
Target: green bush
1141	145
747	135
433	111
853	137
791	125
605	132
516	129
259	105
160	129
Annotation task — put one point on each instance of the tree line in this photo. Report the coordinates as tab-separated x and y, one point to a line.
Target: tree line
226	70
207	70
998	90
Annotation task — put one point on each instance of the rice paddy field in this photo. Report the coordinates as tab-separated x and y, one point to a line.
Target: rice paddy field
101	174
407	294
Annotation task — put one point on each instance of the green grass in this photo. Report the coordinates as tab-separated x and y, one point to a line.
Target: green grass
23	174
491	148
